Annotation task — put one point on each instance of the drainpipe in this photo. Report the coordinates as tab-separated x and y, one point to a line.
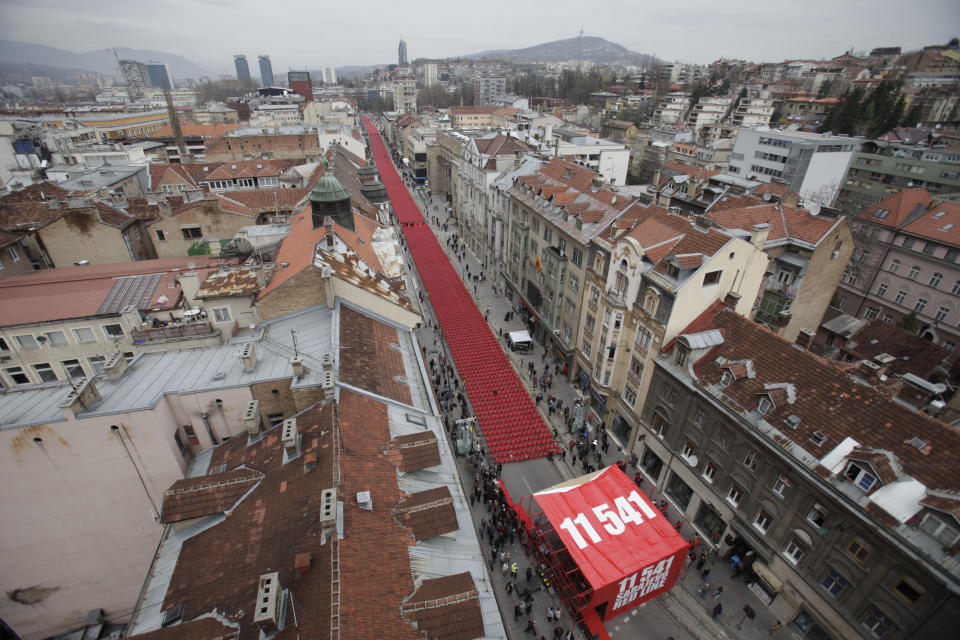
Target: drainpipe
206	422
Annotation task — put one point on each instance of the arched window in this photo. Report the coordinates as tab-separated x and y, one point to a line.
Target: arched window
650	302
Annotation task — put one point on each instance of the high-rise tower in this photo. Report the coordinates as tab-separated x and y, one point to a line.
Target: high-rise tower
266	71
402	53
243	69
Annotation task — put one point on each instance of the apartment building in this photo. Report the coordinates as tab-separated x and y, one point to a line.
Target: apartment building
554	214
753	112
707	111
672	109
649	276
485	88
267	143
910	159
840	504
607	159
811	164
906	265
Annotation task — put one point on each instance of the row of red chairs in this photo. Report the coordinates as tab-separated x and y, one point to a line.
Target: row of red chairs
510	423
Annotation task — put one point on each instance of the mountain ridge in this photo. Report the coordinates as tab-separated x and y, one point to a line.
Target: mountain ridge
591	48
100	61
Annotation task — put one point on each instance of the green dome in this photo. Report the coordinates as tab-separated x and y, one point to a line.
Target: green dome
329	189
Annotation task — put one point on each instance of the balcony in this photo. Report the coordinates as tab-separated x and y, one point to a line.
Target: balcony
175	332
617	298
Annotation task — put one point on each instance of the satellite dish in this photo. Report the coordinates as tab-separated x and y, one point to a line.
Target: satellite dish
813	208
693	461
766	197
238	249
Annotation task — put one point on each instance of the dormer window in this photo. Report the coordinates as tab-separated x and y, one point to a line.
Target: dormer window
673	270
764	405
860	475
682	353
726	379
936	526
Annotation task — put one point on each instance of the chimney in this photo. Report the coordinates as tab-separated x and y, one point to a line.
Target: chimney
731	300
248	356
328	361
297	363
131	317
115	366
79	399
266	609
790	199
302	561
327	385
805	338
870	371
251	418
289	437
702	222
759	236
328	511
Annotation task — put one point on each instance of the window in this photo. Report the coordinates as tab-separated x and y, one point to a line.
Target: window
585	347
920	306
577	258
871	313
735	495
533	248
3	345
113	331
763	521
894	266
956	288
643	337
682	353
942	313
191	233
14	254
935	279
939	529
930	248
574	283
699	417
878	624
750	460
45	372
764	405
56	338
650	303
817	516
636	368
908	243
688	450
909	590
73	368
858	550
781	486
834	583
269	182
221	314
17	376
900	296
245	183
84	335
882	290
712	277
709	472
97	363
547	234
660	425
191	434
629	396
180	445
888	318
161	235
949	345
914	272
794	551
589	324
859	476
26	342
722	439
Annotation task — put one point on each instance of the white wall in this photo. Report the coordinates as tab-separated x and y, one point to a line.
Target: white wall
825	175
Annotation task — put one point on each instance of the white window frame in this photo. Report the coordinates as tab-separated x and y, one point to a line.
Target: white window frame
735	494
762	521
76	335
861	475
112	337
781	486
31	342
709	471
817	509
52	342
48	369
794	551
97	363
68	367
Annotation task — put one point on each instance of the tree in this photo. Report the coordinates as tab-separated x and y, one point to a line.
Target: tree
910	323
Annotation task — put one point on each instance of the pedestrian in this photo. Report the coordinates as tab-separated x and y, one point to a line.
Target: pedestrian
549	614
705	573
717	610
531	628
704	588
517	610
718	592
504	568
509	588
776	628
513	570
529	573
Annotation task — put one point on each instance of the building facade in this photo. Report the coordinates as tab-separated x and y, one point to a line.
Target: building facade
243	69
266	70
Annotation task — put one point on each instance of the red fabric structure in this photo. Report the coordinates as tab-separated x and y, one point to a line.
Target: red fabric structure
508	419
611	548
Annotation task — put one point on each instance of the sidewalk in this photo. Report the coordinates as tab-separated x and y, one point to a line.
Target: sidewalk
683	603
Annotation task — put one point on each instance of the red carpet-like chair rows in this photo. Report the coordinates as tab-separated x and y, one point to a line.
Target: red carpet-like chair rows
508	419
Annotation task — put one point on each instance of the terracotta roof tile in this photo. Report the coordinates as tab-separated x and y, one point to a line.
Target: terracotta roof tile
414	451
367	359
206	495
447	608
941	222
428	513
828	399
897	208
913	354
205	628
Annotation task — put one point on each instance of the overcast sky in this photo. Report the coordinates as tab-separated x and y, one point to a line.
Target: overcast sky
312	33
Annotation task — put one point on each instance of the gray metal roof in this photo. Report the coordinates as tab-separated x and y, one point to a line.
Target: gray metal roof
843	325
703	339
132	290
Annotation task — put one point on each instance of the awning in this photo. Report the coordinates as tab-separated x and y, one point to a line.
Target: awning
793	259
767	576
520	336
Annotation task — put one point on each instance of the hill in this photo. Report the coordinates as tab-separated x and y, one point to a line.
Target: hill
590	48
100	61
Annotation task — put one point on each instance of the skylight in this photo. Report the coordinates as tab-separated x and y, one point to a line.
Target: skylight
939	214
881	214
946	227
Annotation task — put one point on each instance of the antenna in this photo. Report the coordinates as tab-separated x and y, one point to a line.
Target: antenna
293	336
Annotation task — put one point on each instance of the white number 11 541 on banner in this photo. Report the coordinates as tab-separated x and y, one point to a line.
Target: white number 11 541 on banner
615	522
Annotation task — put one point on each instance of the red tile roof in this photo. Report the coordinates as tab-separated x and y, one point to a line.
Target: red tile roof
828	399
786	222
447	608
428	513
206	495
941	222
900	205
48	295
913	354
414	451
367	359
